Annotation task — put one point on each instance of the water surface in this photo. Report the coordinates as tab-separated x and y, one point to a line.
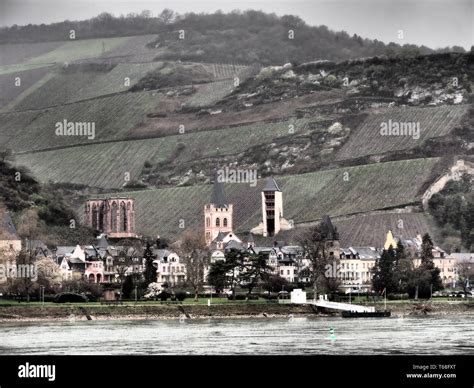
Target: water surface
311	335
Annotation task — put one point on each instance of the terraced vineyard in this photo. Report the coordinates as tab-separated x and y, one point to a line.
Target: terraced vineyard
113	117
371	229
224	71
11	123
104	165
209	94
57	90
9	91
15	69
69	87
434	122
23	52
133	50
114	81
98	165
79	49
307	197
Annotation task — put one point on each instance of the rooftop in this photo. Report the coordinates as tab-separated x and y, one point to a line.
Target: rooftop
271	185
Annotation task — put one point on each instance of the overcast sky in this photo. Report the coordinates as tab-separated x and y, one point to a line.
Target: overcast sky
434	23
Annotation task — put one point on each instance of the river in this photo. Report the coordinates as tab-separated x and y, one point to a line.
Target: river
300	335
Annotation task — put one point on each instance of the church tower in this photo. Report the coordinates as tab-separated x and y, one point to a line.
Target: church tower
218	214
272	211
272	208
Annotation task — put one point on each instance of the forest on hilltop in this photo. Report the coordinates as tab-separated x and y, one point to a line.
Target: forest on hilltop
237	37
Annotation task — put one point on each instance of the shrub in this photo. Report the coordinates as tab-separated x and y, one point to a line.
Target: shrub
180	295
92	297
270	296
69	297
397	296
237	297
163	296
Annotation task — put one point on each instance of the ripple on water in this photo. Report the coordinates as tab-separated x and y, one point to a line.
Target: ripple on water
408	335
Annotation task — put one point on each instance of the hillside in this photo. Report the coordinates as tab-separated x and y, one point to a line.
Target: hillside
237	92
38	212
307	197
368	140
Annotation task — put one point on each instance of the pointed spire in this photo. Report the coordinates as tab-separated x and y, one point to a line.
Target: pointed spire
271	185
328	228
218	198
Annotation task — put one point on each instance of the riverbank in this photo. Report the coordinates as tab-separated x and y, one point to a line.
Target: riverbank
71	312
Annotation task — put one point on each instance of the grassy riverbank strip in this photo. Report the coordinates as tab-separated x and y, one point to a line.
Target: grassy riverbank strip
219	308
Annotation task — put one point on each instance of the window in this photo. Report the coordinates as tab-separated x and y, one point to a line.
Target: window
281	272
225	222
208	222
218	222
287	271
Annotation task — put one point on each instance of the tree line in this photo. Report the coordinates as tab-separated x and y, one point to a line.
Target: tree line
237	37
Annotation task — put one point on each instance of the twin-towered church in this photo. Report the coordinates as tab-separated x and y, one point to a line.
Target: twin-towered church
218	214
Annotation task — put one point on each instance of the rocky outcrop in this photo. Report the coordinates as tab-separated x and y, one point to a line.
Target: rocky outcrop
454	173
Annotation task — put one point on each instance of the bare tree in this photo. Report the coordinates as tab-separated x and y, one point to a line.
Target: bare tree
128	262
195	255
314	243
28	227
167	16
465	271
49	274
24	282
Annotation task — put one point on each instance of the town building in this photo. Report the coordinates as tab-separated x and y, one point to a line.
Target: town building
461	268
355	268
170	271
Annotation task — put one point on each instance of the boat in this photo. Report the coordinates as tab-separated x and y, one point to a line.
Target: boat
369	314
366	314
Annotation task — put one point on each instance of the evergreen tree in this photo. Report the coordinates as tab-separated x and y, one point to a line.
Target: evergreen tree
150	270
217	276
427	262
426	249
427	277
127	287
406	273
255	270
234	264
384	272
